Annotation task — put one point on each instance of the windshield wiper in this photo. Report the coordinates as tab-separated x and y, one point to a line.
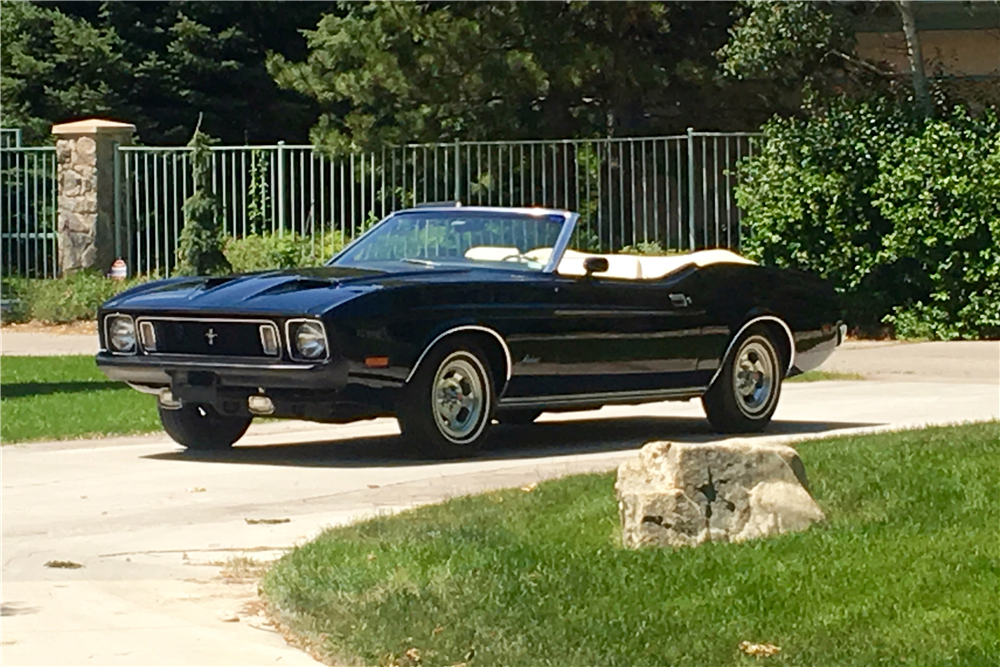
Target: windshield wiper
421	262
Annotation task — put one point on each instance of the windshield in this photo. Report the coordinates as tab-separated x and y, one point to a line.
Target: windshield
433	238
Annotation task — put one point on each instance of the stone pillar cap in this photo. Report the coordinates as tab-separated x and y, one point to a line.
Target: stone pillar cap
92	126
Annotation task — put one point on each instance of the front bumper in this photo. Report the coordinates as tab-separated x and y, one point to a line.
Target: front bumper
320	391
163	371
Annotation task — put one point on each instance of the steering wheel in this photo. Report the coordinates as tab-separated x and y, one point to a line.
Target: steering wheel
521	258
518	257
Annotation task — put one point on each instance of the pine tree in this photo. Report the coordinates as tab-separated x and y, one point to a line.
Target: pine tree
200	251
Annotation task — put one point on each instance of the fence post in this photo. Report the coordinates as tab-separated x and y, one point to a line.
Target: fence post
118	199
691	211
281	188
458	183
85	158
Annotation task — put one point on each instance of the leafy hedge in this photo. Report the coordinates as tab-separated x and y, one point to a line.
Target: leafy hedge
258	252
57	300
901	214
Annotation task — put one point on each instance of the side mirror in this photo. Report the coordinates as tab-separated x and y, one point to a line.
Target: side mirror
595	265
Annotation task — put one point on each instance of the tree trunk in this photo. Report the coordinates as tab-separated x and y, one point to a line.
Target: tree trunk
920	88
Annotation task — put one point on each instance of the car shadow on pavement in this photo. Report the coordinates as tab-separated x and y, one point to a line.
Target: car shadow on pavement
17	609
506	442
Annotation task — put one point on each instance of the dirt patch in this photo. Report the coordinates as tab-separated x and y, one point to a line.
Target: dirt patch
88	327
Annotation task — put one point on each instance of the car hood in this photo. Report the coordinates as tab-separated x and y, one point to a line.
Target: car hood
300	291
308	291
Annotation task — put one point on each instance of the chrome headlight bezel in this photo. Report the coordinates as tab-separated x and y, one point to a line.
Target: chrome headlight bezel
111	335
302	332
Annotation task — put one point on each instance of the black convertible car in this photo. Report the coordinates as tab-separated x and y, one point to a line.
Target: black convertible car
451	317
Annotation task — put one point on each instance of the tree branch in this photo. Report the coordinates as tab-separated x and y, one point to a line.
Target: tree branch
864	64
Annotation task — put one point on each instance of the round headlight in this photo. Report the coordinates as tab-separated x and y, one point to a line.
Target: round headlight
121	334
310	340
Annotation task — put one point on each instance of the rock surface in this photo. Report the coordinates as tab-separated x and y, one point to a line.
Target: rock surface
681	494
85	159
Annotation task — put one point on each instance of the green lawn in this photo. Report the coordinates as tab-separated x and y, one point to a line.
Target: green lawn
50	398
905	571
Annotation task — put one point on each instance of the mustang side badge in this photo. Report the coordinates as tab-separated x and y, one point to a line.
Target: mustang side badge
210	336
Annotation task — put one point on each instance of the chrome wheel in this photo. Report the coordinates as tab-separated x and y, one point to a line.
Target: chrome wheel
459	397
746	391
446	408
754	376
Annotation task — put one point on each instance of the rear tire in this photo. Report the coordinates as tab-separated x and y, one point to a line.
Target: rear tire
202	427
446	409
744	396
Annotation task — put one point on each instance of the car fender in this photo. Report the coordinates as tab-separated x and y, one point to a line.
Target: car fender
458	328
755	317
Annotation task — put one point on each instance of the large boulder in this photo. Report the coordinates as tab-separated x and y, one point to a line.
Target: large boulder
680	494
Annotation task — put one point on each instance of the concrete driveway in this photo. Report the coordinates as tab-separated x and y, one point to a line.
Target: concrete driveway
151	524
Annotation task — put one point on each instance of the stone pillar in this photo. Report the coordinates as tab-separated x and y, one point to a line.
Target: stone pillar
85	153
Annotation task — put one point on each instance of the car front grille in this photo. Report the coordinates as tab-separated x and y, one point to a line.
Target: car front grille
209	337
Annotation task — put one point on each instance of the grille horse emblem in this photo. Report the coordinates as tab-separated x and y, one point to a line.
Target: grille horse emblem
210	336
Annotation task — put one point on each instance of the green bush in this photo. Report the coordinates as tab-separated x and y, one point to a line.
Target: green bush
940	190
76	296
14	291
643	248
259	252
900	215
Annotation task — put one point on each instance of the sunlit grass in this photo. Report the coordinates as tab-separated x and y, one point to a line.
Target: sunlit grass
53	398
904	571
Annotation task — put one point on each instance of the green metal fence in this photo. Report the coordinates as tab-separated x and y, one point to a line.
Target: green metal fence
676	191
10	137
28	211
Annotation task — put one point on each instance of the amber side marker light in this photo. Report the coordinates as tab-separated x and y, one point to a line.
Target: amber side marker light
377	362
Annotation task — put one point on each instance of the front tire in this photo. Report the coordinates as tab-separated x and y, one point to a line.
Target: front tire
202	427
745	394
447	407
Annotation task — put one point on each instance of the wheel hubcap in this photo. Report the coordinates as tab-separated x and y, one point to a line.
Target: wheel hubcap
459	398
754	377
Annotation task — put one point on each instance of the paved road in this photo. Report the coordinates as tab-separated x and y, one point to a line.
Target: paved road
150	524
40	343
952	361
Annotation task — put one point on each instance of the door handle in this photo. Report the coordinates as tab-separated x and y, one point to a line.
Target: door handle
680	300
